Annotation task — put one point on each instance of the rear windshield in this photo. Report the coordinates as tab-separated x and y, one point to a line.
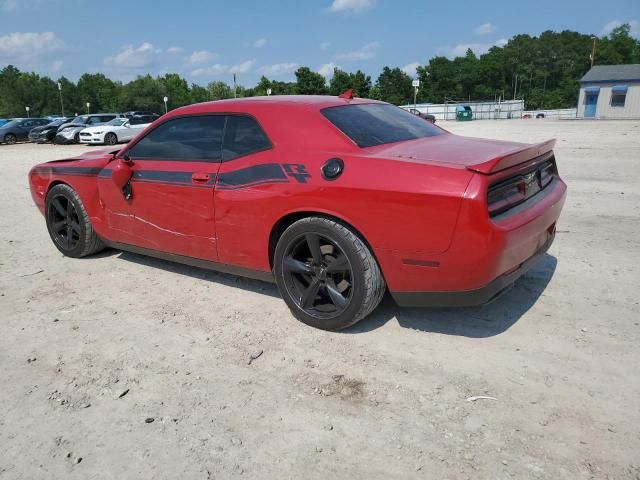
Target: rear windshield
376	124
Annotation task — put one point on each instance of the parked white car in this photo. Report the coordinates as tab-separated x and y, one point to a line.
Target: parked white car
118	130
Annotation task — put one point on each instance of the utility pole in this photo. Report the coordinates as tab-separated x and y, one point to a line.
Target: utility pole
234	85
61	102
593	52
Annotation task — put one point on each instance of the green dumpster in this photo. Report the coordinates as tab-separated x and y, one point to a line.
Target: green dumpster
464	113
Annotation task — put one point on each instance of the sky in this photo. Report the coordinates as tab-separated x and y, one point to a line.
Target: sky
210	40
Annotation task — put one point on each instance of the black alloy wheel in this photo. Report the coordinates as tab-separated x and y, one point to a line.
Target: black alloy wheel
68	223
326	274
318	276
64	222
10	139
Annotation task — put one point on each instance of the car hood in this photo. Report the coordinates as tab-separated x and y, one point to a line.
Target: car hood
99	128
476	154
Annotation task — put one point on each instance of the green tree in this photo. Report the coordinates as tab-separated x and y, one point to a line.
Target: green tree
309	82
199	94
219	90
342	81
394	86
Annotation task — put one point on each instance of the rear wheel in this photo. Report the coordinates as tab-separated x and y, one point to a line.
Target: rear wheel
68	223
326	274
10	139
110	138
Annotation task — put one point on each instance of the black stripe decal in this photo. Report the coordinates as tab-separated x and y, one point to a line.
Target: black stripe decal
86	171
245	177
265	173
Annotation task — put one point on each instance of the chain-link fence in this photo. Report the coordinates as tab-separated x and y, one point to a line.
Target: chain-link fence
490	110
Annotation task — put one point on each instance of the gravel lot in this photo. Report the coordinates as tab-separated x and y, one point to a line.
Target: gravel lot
93	349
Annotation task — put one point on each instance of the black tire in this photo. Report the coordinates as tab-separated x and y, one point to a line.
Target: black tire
337	286
10	139
68	223
76	138
110	138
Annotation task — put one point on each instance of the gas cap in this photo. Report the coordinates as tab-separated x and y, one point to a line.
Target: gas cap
332	168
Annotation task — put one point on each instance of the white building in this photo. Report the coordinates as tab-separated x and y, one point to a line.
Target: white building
610	91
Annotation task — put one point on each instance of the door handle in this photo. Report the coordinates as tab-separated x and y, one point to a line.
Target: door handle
200	177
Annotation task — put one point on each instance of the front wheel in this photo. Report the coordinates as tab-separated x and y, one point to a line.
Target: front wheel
326	274
10	139
68	223
110	138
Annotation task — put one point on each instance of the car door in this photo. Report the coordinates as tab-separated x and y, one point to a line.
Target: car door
24	128
248	177
174	170
133	127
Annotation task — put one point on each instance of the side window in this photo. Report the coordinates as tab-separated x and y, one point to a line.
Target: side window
243	136
196	139
618	99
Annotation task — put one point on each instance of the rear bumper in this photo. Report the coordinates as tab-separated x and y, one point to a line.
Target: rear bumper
471	298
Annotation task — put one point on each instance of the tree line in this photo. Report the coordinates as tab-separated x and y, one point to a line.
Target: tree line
543	70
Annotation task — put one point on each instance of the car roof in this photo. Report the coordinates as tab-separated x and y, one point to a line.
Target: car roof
313	102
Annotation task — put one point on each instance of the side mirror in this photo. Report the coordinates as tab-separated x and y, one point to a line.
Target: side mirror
121	175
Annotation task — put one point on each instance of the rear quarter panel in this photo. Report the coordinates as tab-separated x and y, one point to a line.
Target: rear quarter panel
397	205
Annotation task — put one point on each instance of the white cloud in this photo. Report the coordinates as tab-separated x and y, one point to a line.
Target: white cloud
485	29
261	42
56	66
175	50
410	68
460	50
326	70
324	45
279	68
29	44
634	24
201	56
221	69
243	67
353	6
130	57
29	50
364	53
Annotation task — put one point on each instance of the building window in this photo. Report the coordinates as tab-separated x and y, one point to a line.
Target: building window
618	95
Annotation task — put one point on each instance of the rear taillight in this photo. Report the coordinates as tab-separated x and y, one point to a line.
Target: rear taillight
509	193
547	173
505	195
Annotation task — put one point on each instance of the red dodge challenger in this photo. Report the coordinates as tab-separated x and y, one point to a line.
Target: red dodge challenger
337	199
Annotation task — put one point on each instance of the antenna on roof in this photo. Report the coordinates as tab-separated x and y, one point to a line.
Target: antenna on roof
348	94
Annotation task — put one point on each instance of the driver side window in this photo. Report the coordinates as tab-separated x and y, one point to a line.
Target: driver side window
186	139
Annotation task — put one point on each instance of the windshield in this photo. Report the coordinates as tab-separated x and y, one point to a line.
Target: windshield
11	123
117	122
373	124
80	120
56	123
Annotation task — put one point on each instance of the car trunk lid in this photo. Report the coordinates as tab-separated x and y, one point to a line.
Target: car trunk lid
476	154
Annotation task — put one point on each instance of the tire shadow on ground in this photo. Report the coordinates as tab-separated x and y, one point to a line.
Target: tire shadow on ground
473	322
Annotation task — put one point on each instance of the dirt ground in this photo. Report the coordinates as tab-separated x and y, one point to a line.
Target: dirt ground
121	366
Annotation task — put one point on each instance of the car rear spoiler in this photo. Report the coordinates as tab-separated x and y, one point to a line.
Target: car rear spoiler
516	157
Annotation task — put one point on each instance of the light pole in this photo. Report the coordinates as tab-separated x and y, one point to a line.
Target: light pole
61	102
88	105
593	52
166	99
415	84
27	109
268	91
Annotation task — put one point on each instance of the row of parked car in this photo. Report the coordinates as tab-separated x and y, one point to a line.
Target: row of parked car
94	129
